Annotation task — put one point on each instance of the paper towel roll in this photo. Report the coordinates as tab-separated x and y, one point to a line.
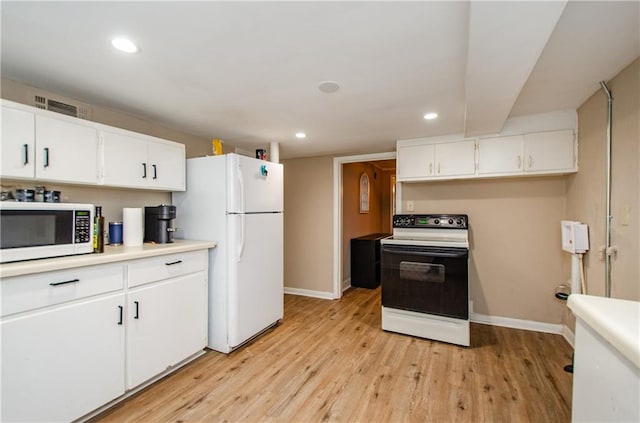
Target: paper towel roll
132	227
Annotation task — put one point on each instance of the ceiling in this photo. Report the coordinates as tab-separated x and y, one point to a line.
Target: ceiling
248	72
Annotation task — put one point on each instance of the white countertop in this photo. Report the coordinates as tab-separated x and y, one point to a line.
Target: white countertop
617	321
111	254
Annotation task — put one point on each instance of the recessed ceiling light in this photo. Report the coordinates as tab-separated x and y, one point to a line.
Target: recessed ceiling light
328	87
124	44
301	135
430	116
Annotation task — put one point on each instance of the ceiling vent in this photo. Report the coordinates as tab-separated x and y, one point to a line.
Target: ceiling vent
62	106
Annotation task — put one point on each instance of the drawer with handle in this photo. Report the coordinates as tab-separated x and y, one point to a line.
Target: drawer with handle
158	268
30	292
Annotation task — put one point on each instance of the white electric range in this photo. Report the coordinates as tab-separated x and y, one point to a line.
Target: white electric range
424	277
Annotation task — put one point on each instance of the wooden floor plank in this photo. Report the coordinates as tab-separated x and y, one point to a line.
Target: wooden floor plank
329	361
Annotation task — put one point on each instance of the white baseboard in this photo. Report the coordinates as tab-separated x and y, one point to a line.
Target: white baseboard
309	293
517	323
346	284
568	335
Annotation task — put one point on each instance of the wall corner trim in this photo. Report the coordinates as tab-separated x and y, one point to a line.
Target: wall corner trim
309	293
518	323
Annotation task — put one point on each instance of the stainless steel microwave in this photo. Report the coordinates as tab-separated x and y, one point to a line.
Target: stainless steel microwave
30	230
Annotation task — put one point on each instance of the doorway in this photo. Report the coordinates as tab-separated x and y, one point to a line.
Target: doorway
378	167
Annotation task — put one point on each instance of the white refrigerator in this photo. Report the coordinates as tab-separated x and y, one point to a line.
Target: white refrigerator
237	202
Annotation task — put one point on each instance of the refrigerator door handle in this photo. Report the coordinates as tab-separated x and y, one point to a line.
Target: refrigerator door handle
241	248
241	193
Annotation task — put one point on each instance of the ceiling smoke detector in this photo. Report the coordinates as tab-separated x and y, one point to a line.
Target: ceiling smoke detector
328	87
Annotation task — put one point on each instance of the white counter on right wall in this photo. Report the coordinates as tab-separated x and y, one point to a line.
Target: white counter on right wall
606	370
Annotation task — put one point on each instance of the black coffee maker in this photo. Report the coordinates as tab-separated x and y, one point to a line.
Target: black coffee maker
158	221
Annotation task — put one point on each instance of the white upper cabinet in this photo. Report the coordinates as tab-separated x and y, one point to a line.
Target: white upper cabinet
456	158
167	165
48	148
536	153
435	160
139	161
124	160
415	161
500	156
44	146
539	153
18	143
547	152
66	151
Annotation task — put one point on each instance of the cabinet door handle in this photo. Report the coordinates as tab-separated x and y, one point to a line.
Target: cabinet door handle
121	311
25	154
173	262
137	315
519	162
438	168
155	172
430	168
64	282
530	161
144	170
46	157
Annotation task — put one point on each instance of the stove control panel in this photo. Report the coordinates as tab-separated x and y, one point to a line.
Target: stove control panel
442	221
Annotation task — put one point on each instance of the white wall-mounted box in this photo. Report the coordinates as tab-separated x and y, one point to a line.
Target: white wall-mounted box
575	236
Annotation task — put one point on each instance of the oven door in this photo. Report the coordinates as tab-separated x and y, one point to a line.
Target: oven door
431	280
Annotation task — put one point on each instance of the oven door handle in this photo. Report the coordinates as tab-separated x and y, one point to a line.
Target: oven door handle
422	253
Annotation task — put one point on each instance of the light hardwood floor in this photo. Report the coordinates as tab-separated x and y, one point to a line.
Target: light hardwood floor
330	361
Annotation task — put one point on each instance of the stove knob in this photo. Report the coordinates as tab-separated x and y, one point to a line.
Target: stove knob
436	221
459	222
450	221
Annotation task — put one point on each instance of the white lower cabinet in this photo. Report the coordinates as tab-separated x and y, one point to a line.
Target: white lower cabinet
74	340
166	324
59	364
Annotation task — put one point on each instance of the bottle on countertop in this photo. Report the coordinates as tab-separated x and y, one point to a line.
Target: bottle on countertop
98	231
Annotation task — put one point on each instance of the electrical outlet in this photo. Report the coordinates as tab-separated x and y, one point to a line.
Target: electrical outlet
409	205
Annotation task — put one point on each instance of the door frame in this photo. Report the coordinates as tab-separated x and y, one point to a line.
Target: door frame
337	210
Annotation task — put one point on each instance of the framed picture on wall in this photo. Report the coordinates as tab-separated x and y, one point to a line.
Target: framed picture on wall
364	193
